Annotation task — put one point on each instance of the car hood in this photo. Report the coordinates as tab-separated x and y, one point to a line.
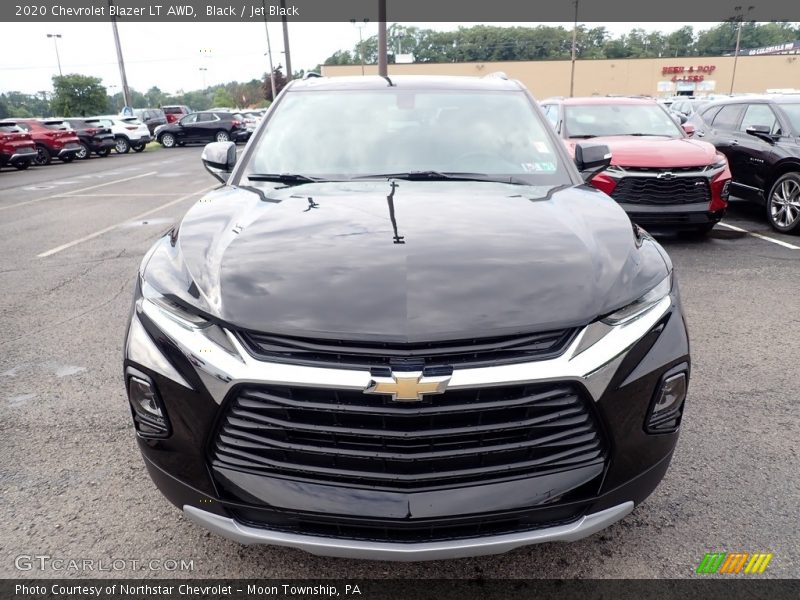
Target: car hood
408	261
655	152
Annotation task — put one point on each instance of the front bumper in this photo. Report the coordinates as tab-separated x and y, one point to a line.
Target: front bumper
619	374
362	549
674	215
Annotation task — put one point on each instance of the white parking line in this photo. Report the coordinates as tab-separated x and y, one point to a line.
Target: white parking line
761	237
86	189
91	236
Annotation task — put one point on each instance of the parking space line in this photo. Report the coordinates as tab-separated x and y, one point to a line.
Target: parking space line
86	189
105	230
761	236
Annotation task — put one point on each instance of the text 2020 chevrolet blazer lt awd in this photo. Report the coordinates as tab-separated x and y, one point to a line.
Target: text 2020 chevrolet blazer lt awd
404	328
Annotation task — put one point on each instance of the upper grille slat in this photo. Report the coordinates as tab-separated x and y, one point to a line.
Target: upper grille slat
499	349
348	437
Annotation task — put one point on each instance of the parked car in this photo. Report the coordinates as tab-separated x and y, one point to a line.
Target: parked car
16	146
658	174
760	135
685	108
53	138
129	132
408	343
94	138
202	127
152	117
174	112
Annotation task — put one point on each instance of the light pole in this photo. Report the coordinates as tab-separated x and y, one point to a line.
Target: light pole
203	71
574	52
383	66
360	27
56	37
269	53
739	17
126	92
289	74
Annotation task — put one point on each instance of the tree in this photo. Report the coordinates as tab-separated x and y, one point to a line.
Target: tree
3	107
222	98
280	83
78	95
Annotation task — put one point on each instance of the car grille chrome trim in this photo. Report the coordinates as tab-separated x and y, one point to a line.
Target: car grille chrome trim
577	363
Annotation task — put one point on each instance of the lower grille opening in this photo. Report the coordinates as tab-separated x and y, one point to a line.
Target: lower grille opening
660	191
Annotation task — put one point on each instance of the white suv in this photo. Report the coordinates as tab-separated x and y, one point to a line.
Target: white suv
129	132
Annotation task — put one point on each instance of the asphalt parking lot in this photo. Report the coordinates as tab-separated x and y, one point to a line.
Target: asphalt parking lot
74	486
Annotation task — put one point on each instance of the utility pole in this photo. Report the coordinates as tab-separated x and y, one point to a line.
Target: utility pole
203	70
269	53
574	52
56	37
289	72
383	67
360	26
126	93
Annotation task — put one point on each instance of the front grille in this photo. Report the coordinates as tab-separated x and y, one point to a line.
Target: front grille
368	440
464	353
665	190
410	530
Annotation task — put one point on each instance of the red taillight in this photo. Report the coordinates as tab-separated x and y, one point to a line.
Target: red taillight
604	183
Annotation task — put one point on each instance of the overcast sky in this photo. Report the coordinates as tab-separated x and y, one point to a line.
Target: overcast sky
169	55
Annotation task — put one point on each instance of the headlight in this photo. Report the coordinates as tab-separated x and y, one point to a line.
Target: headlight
642	304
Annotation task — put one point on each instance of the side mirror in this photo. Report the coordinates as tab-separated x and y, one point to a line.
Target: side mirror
762	132
591	159
219	158
688	128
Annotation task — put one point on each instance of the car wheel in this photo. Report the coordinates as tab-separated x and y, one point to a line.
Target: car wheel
783	204
122	146
104	152
222	136
139	147
83	153
43	156
167	140
21	165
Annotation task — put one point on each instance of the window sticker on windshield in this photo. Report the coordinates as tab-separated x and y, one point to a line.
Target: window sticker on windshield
540	147
539	166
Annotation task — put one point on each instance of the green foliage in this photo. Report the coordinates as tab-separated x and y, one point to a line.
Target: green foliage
481	43
280	83
78	95
223	99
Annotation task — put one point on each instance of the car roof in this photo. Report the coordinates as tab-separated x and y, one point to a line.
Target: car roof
416	82
776	98
590	100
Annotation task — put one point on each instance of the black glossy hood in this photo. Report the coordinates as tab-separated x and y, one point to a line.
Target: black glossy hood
476	259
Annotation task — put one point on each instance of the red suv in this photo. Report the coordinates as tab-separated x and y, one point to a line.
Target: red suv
175	112
53	138
16	147
658	174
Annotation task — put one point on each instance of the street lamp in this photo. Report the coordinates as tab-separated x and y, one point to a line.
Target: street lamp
203	70
360	27
56	37
739	17
574	52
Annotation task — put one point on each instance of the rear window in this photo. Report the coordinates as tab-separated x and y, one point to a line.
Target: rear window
57	125
728	117
131	121
98	123
173	110
9	128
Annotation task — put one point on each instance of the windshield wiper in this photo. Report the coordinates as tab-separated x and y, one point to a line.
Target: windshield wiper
641	134
582	137
287	178
446	176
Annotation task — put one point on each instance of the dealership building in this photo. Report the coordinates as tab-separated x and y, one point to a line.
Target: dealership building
661	77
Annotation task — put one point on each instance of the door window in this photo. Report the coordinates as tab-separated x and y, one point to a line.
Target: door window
759	114
189	119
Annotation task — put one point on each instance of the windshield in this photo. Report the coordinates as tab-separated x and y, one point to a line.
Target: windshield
595	120
793	112
347	134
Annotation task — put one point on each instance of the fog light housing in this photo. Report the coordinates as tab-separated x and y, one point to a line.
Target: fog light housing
666	408
149	415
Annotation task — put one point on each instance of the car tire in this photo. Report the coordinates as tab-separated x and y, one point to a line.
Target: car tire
167	140
104	152
122	145
783	204
67	159
43	156
84	153
139	147
21	165
222	136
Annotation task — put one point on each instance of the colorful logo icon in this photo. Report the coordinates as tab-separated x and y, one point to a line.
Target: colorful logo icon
729	563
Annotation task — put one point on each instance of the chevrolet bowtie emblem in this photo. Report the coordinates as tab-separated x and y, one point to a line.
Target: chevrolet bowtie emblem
408	387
